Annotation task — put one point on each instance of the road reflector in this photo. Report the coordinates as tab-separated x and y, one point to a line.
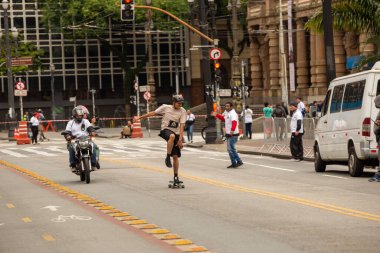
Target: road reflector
48	237
26	219
9	205
183	242
106	208
149	226
170	237
122	214
138	222
158	231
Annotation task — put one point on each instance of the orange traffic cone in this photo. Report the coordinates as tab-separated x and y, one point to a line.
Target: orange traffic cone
16	135
23	133
137	133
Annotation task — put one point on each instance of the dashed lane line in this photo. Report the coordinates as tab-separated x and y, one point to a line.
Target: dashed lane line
9	152
287	198
162	234
26	219
335	177
10	205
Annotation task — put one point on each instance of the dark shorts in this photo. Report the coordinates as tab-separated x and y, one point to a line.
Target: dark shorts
165	134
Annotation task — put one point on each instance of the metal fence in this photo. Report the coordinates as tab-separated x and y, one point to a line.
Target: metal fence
279	128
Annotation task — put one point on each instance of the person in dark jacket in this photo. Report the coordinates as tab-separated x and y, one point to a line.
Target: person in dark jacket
279	118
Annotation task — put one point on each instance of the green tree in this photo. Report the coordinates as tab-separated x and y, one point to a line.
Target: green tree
355	16
79	19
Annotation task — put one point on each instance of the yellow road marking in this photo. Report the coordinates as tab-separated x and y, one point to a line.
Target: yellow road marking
26	219
9	205
288	198
48	237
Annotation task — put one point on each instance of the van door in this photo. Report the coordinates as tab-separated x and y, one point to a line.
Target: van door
374	110
335	123
321	128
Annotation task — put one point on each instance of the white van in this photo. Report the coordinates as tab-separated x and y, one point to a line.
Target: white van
344	132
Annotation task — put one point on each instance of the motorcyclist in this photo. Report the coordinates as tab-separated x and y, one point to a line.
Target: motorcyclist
76	128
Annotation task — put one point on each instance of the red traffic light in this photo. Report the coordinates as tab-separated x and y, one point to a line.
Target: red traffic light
127	1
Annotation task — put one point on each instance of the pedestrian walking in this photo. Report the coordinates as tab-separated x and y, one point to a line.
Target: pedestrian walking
248	118
268	120
172	125
376	130
296	128
279	118
231	120
34	126
41	117
189	126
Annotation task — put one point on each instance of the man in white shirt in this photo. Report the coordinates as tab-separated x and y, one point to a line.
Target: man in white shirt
301	106
78	127
296	128
231	119
172	125
248	114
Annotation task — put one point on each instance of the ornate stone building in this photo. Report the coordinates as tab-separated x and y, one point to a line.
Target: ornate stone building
309	51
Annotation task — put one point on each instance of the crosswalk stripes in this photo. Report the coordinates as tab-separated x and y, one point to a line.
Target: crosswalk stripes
136	149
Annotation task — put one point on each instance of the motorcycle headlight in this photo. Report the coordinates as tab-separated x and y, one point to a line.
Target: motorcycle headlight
83	144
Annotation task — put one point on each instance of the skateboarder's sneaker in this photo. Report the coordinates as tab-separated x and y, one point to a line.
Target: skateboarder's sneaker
177	181
168	162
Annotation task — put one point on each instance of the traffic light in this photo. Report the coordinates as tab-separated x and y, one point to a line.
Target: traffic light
218	72
127	9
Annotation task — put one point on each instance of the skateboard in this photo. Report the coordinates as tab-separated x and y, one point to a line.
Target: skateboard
172	185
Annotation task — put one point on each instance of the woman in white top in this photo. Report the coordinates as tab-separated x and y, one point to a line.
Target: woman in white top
190	119
34	125
248	114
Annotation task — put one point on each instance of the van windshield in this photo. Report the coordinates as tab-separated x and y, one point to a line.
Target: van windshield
326	103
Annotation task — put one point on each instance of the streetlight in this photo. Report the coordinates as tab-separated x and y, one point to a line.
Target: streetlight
149	67
8	54
52	72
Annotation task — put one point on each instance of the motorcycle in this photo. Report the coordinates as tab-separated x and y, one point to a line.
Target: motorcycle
83	147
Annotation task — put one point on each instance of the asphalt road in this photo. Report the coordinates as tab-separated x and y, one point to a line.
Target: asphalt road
267	205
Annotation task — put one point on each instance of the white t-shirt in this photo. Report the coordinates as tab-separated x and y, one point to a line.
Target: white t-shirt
248	113
78	129
171	118
300	106
34	121
297	115
229	117
190	117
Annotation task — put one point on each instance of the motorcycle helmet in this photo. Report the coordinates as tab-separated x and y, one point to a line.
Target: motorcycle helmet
178	98
78	114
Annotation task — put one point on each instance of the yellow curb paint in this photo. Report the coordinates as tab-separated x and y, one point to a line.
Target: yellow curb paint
9	205
197	249
26	219
183	242
170	237
288	198
48	237
121	214
158	231
137	222
109	210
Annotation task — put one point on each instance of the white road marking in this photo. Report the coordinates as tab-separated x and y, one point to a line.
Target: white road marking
33	150
254	164
9	152
56	149
335	177
63	218
51	208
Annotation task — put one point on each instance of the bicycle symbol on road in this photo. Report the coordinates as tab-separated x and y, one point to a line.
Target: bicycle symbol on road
63	218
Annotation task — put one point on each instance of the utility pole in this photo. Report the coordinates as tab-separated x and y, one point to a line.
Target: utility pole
329	41
137	89
93	101
284	83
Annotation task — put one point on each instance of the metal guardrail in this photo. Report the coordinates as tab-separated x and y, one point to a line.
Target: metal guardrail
279	128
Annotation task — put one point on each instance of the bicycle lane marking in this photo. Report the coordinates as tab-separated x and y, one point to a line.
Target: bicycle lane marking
168	241
287	198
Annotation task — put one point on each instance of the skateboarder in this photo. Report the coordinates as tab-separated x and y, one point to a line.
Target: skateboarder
172	125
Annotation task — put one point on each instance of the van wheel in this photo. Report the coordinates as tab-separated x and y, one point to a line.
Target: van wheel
319	164
355	165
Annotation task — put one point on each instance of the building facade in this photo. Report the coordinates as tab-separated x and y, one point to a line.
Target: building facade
308	54
88	64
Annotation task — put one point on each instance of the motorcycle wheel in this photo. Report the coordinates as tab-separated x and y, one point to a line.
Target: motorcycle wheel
86	169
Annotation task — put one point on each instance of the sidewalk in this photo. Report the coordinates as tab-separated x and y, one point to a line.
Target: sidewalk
255	146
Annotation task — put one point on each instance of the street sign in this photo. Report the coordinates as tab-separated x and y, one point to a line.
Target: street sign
225	92
144	88
73	99
22	61
20	86
21	93
147	95
215	54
